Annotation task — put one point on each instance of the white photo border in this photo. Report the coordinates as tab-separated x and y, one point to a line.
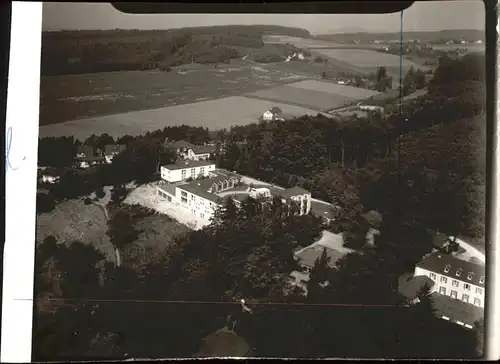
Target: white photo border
21	157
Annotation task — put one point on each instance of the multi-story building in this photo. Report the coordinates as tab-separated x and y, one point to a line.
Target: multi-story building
455	278
183	170
210	187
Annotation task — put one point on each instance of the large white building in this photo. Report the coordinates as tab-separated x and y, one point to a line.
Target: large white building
455	278
210	187
183	170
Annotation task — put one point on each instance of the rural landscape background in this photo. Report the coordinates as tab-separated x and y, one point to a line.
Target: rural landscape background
419	163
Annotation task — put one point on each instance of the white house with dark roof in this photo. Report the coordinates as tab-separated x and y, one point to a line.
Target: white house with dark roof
455	278
186	150
185	169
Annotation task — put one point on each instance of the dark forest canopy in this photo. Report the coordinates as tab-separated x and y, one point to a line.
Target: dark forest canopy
76	52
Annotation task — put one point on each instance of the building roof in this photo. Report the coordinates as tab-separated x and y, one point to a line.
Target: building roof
167	187
201	187
188	164
307	257
411	287
113	148
88	150
449	266
203	149
456	310
224	343
177	144
294	191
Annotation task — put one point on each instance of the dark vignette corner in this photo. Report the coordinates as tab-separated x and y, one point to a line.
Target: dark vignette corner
491	122
5	19
270	6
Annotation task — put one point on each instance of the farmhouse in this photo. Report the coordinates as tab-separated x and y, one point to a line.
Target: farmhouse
110	151
268	115
455	278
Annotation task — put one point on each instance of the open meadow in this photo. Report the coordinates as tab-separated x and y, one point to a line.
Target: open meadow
215	114
71	97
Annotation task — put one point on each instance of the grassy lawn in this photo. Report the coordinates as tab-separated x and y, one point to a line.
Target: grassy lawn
73	220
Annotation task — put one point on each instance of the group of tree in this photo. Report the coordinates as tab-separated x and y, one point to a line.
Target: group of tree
138	162
429	177
245	253
78	52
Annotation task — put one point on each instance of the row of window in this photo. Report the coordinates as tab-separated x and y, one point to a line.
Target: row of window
465	297
459	272
456	283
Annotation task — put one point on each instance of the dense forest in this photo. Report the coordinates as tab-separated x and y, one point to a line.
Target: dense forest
422	168
77	52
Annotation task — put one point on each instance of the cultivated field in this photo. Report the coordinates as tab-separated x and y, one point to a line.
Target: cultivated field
316	100
317	95
215	114
313	43
368	59
470	47
71	97
361	58
73	220
335	89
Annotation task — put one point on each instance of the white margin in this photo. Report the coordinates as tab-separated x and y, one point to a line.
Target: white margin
23	98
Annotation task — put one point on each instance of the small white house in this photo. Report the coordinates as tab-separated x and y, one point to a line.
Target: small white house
50	179
268	115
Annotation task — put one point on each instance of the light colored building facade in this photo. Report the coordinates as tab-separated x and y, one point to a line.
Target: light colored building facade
455	278
186	169
268	116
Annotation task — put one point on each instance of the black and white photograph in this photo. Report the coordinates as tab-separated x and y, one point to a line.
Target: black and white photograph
261	185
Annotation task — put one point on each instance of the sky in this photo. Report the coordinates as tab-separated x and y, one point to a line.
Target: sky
421	16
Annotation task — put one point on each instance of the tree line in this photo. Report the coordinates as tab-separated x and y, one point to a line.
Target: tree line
78	52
